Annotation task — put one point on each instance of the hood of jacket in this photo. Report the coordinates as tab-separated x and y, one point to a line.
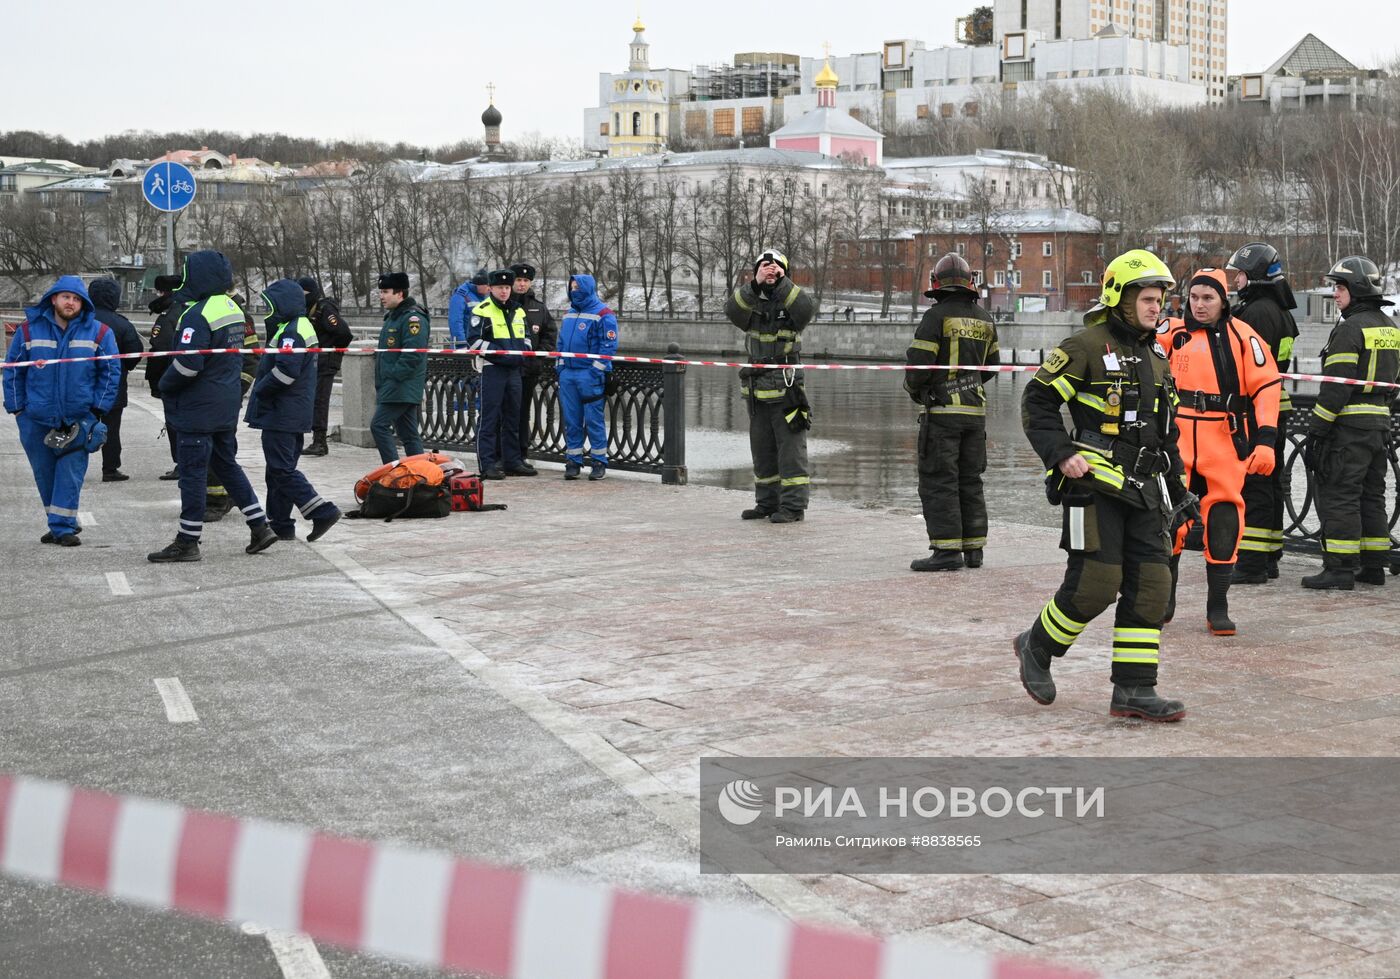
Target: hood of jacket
207	273
66	283
585	297
286	300
105	293
313	290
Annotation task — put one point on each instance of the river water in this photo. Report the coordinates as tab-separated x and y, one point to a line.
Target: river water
862	443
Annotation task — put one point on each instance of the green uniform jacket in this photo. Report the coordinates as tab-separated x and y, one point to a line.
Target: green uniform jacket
400	377
1365	344
955	331
773	323
1106	362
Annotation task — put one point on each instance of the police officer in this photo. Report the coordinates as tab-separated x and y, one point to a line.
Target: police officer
496	327
1118	477
400	372
773	311
1346	442
543	336
167	313
331	331
59	407
203	393
281	405
1256	275
957	333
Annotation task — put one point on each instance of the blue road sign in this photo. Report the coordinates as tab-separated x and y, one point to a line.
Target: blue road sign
168	186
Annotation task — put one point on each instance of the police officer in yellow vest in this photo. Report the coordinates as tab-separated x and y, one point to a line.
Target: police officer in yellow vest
958	334
1118	478
498	327
1346	442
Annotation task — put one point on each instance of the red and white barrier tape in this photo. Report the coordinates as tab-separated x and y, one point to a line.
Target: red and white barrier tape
616	358
429	908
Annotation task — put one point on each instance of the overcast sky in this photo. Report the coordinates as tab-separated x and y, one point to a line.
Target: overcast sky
416	70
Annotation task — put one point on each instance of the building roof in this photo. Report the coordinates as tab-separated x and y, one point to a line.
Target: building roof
1310	55
45	166
836	122
1032	220
100	184
980	158
757	156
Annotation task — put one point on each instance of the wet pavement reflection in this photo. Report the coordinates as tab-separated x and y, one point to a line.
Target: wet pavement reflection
862	443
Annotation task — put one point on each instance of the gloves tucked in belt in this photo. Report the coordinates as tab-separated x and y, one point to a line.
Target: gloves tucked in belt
1314	447
1186	506
1260	462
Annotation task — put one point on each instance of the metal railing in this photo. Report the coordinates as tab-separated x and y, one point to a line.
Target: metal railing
645	415
1302	525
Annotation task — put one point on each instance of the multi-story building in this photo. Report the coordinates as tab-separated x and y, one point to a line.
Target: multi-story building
1310	75
1197	24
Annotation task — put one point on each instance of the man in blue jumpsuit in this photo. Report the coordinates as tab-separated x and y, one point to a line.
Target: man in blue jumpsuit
202	394
588	327
59	407
498	328
281	404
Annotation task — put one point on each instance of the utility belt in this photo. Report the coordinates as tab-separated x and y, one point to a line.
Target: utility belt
1202	401
1138	462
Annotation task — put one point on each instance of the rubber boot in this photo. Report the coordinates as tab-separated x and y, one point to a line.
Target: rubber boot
754	513
1175	564
1331	579
1252	568
938	561
782	516
1144	703
1218	577
1273	565
1035	669
1371	576
973	558
216	507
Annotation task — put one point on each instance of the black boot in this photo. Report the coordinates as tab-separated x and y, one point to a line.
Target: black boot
782	516
1218	578
1143	702
1332	579
318	446
1171	600
1252	568
752	513
1273	565
939	560
216	507
1035	669
262	537
973	558
1371	576
179	550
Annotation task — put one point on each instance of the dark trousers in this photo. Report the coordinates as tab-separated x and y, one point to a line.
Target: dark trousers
391	418
1120	552
500	410
952	458
112	448
1264	508
780	476
1351	499
286	486
528	383
216	453
326	367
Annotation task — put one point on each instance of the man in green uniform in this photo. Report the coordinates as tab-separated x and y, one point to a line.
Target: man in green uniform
1118	478
399	374
958	334
772	311
1346	442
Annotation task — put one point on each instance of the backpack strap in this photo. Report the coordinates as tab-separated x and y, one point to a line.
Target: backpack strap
408	498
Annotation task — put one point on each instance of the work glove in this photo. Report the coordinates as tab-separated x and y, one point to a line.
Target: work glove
1186	506
1314	448
1260	462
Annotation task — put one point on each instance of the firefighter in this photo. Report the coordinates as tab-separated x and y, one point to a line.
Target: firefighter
955	332
1228	386
1256	274
1118	478
1345	446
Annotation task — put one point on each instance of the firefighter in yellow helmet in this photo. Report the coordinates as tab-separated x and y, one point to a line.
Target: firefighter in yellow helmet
1117	476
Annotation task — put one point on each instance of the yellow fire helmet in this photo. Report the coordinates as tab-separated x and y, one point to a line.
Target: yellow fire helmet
1138	267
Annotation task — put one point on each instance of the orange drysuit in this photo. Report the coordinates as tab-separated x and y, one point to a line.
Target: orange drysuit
1229	386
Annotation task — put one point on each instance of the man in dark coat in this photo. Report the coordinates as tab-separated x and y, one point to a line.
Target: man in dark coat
106	295
167	313
543	333
331	331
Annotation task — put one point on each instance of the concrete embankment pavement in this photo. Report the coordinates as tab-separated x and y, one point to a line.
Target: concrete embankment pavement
536	686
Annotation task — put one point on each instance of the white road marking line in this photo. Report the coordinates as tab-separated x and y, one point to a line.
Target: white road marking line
86	519
116	580
296	954
178	709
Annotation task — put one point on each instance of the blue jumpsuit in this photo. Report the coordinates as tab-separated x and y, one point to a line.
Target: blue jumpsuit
588	327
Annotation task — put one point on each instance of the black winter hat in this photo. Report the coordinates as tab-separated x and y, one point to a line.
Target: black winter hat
524	270
480	278
501	277
167	283
310	286
398	281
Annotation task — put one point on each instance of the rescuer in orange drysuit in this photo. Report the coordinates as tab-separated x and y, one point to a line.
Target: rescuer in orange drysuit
1229	386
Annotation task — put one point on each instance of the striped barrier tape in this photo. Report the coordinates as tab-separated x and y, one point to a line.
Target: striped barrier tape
615	358
430	908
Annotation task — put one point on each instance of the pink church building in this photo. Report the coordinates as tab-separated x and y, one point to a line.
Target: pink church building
829	131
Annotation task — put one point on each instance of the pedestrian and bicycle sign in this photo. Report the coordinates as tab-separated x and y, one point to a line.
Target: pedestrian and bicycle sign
168	186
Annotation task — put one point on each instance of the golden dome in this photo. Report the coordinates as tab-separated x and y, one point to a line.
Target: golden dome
638	26
826	78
